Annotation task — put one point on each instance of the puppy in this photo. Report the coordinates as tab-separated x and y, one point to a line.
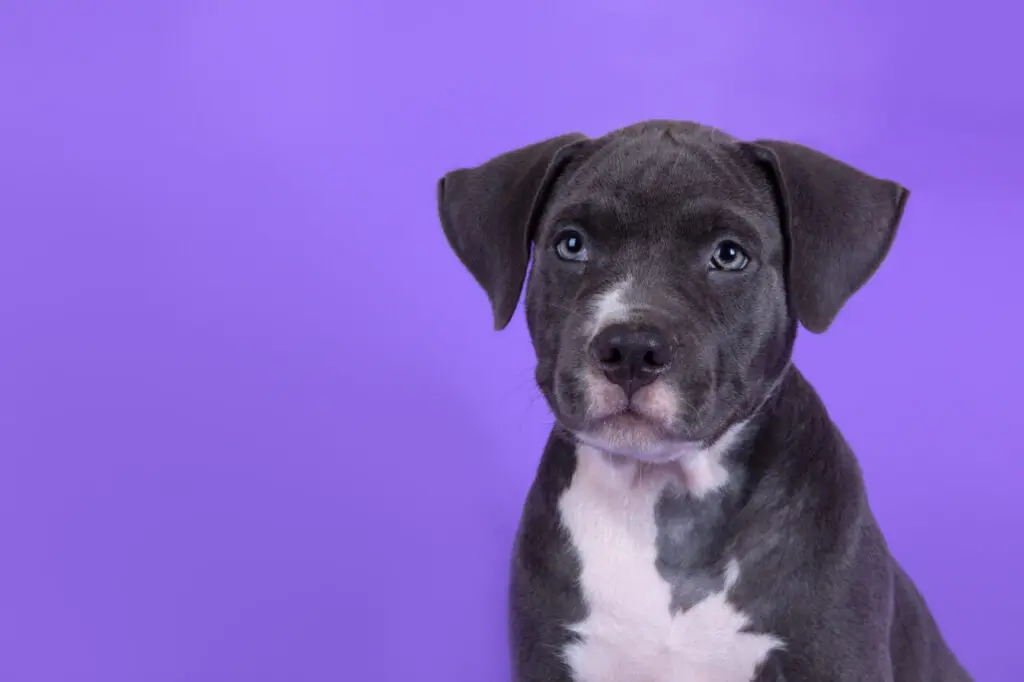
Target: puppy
696	515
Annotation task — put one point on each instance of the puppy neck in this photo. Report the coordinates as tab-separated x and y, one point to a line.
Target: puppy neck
698	469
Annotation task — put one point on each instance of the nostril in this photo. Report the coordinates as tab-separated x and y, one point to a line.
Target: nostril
608	351
653	360
611	356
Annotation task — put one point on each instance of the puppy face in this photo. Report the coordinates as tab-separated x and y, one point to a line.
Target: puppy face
657	295
671	264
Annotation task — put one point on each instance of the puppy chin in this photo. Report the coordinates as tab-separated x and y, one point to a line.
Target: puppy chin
631	443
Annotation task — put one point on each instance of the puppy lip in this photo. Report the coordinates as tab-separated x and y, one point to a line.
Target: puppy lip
630	421
629	417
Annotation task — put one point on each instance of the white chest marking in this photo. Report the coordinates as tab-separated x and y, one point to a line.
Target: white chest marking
629	634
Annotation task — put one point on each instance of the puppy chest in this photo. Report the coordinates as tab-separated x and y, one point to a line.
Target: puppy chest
634	631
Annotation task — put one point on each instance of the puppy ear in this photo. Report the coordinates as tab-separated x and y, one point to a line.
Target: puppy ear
840	223
489	215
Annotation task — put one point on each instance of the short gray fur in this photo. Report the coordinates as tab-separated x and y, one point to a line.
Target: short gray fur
816	569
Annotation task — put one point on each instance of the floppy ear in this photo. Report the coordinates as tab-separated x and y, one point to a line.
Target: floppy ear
840	223
489	215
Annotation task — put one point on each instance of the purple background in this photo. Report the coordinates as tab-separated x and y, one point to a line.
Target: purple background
254	424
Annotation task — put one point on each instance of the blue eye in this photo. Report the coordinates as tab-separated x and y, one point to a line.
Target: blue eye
729	256
570	246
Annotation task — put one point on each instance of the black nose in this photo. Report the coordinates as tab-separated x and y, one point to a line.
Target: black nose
631	356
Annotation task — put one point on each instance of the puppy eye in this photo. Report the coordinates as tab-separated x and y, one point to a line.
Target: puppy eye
729	256
570	246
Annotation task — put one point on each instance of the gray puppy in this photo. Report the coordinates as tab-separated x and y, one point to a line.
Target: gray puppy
696	515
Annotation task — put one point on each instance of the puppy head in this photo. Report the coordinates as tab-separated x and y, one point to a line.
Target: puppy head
671	265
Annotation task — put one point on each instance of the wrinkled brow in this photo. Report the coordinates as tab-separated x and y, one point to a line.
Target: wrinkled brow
706	216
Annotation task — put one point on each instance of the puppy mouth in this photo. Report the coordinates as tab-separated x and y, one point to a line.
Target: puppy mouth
630	419
639	425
